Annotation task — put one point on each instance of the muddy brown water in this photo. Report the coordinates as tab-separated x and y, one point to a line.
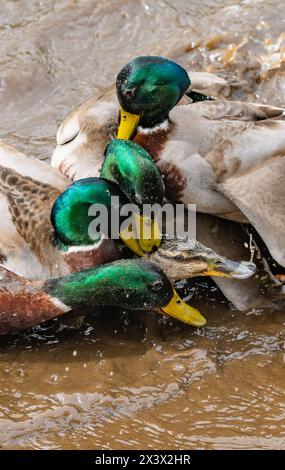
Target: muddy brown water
122	380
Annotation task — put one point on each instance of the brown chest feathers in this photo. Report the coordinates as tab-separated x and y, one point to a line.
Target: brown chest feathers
23	303
79	260
24	310
155	142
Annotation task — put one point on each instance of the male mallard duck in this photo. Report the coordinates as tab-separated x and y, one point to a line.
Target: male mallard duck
85	132
130	284
225	157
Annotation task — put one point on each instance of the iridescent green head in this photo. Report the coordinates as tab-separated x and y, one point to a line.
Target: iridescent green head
132	168
134	284
131	284
70	215
149	87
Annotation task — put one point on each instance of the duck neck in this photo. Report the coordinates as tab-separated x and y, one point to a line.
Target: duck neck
80	288
114	284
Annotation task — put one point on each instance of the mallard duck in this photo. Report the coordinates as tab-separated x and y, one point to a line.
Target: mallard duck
225	157
85	132
129	284
44	231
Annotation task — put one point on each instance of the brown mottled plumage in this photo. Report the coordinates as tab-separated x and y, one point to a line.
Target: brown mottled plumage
30	202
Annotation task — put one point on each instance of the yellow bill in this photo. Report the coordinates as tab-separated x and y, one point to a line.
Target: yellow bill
147	231
128	124
141	236
130	241
183	312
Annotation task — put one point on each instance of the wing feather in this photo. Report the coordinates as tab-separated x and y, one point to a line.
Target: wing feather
260	195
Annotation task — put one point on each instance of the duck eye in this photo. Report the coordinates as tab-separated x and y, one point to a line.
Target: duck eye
218	262
157	285
129	94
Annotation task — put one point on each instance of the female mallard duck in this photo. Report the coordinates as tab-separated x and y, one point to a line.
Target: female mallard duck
225	157
129	284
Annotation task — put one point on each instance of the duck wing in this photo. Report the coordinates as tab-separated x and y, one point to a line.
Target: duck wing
239	110
204	80
84	134
29	166
231	240
249	166
204	86
260	195
241	149
25	204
